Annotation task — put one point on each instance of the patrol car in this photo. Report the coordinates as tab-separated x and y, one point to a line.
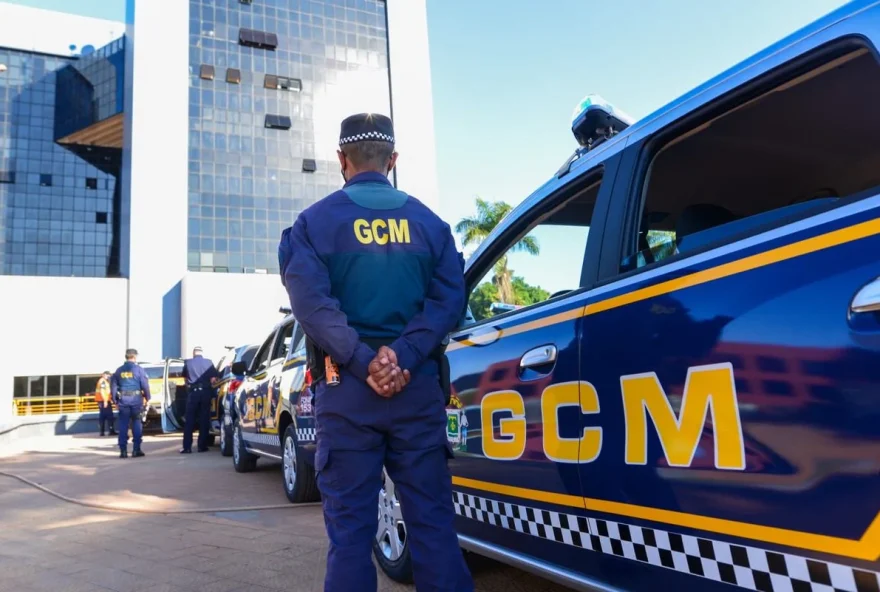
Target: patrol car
272	413
227	386
695	403
156	377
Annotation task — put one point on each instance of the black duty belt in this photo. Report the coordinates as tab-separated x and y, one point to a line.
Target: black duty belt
130	393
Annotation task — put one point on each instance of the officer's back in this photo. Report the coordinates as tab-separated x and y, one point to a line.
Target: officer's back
380	247
197	370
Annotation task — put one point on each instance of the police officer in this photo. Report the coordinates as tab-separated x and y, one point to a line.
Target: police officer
130	389
200	376
376	281
105	405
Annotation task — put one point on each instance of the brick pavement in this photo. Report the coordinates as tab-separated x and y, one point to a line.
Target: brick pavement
50	545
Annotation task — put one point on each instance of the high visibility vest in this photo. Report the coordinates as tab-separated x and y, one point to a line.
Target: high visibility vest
102	390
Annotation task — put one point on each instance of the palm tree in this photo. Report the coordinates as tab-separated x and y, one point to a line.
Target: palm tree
475	229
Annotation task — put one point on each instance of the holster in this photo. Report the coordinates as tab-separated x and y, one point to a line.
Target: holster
315	360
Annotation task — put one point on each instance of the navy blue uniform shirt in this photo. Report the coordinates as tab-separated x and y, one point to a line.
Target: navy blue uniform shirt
370	261
129	378
199	371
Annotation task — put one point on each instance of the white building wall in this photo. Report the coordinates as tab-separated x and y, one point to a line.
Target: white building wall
54	325
221	309
411	99
154	173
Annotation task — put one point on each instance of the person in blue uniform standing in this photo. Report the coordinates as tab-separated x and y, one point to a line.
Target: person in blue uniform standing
200	375
377	283
130	389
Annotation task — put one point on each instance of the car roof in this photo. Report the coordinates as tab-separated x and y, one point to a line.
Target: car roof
680	107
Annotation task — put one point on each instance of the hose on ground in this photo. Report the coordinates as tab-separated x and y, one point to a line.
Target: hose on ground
110	508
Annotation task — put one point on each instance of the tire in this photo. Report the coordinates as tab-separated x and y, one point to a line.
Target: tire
226	432
297	476
242	460
392	554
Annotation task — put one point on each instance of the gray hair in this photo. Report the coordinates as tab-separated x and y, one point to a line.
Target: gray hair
371	154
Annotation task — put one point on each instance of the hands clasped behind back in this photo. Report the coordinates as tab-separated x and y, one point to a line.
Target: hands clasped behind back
386	377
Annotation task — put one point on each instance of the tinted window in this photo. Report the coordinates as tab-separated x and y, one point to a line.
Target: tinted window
746	171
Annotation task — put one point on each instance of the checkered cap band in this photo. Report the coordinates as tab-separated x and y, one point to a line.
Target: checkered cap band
747	567
366	136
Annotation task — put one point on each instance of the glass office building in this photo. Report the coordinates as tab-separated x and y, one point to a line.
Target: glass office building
257	69
148	168
56	207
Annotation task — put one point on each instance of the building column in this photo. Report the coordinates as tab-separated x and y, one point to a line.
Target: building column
411	100
154	198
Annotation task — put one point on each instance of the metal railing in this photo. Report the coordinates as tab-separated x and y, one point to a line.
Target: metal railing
55	405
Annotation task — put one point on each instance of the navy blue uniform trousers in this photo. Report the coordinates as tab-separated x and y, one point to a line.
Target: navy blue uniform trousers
105	415
130	413
198	410
357	433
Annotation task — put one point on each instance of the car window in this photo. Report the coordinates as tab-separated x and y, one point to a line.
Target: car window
299	338
247	355
261	359
545	263
766	162
282	344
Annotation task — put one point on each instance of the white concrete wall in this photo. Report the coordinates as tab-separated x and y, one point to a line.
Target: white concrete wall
411	99
51	325
46	31
221	309
154	174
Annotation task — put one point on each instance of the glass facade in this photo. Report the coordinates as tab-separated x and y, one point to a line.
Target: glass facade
254	121
56	208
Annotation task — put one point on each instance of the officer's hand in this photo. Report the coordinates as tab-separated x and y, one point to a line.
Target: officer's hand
400	379
383	369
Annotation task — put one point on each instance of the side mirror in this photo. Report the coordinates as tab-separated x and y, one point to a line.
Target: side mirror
239	368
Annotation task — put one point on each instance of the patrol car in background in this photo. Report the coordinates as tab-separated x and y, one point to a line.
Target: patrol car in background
171	401
226	387
156	378
695	403
271	411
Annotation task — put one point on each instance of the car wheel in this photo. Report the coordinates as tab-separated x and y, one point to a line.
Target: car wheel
226	432
391	546
242	460
297	475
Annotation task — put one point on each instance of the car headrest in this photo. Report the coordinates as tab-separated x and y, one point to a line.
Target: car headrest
699	217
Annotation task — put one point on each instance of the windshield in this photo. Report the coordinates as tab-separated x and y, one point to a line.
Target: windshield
154	372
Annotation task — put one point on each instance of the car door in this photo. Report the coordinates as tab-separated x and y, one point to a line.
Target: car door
251	400
270	389
514	420
173	396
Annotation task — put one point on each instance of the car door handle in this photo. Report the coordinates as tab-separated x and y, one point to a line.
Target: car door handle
540	356
867	299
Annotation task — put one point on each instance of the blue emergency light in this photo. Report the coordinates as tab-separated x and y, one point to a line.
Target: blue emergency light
595	120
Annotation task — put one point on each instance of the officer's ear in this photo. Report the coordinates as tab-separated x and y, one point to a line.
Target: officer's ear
341	156
392	162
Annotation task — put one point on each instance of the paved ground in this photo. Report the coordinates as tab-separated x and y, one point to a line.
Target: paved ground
54	546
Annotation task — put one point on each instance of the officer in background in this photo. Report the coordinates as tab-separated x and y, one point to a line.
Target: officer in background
130	389
200	376
376	281
105	403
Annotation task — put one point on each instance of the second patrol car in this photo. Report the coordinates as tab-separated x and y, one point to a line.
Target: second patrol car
271	411
690	399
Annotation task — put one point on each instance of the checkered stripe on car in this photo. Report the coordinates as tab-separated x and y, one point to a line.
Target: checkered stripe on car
748	567
305	434
267	439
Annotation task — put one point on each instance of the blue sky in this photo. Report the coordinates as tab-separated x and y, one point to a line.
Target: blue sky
507	74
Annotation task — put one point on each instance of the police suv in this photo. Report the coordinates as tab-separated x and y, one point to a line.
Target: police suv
692	398
271	411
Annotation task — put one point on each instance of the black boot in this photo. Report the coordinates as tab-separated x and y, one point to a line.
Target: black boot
102	434
113	432
123	453
137	453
